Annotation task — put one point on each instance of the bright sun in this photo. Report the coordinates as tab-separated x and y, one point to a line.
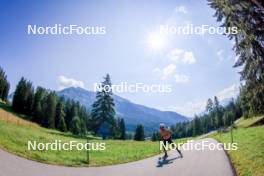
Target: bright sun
156	41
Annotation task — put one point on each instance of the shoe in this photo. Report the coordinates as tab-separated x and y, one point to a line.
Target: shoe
180	153
165	156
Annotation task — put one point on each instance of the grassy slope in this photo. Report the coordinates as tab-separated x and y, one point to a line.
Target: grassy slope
16	132
249	158
244	123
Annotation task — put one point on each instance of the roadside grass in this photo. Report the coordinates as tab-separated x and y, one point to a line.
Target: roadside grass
244	123
16	132
248	160
11	117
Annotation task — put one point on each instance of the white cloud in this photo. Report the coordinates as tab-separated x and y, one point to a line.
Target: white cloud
157	70
233	42
229	92
236	58
175	54
219	54
189	109
180	78
165	72
197	107
188	58
181	9
65	82
168	71
179	55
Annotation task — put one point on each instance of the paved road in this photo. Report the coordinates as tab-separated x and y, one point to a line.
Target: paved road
193	163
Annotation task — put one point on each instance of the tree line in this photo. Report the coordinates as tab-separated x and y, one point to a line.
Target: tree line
248	17
49	110
215	117
4	85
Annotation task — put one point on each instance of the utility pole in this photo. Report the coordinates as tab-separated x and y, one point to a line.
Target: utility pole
231	131
232	126
88	151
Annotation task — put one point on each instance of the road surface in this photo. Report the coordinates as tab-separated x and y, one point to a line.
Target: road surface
194	163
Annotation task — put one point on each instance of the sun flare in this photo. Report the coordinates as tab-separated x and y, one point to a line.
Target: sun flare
156	41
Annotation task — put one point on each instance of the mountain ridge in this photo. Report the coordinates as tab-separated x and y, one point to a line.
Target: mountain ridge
132	113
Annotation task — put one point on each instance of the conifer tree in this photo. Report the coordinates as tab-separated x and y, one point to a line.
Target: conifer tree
37	111
62	125
5	91
218	113
50	110
247	17
139	133
209	105
29	101
122	127
83	126
20	96
59	117
155	136
197	126
103	108
68	113
4	85
76	125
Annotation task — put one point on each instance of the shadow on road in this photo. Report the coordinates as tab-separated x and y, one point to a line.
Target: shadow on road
162	161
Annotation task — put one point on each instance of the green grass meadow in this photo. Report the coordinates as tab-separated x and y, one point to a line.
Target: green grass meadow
16	132
245	123
248	160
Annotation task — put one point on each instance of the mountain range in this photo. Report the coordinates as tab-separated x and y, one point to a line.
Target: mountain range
132	113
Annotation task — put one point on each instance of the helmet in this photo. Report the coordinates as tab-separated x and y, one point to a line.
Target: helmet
162	125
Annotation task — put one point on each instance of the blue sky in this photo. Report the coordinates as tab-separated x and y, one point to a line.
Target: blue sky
196	66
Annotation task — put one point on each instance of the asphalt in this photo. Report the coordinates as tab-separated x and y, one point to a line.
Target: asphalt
194	163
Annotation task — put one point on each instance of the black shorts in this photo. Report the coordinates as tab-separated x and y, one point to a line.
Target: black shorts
167	141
